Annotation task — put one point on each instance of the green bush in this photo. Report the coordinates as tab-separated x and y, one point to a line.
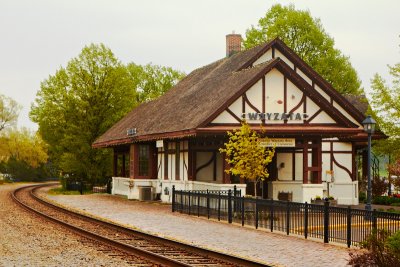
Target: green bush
362	197
393	243
381	249
385	200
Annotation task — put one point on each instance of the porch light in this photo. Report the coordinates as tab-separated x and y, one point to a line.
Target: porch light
369	124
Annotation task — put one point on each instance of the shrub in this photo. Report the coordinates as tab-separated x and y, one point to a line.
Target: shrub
393	243
380	250
362	197
385	200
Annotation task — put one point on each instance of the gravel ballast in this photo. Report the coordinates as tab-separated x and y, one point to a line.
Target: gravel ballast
28	240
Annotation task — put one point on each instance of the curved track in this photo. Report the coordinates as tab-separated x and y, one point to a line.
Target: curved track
139	248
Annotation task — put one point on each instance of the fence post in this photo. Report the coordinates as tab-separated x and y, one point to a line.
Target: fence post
234	199
229	206
181	201
173	198
198	204
326	221
271	215
208	205
348	226
243	211
109	182
219	205
189	201
287	217
305	220
374	219
256	214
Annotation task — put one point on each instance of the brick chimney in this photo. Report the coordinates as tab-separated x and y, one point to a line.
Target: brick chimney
233	43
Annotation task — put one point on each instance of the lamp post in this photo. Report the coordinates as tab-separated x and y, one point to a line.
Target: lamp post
369	128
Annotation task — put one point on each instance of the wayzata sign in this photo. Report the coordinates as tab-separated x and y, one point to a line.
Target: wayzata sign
252	116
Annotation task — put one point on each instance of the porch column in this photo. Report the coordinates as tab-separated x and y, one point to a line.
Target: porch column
305	162
115	164
123	172
316	162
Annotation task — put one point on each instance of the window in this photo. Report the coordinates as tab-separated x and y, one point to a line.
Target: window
144	153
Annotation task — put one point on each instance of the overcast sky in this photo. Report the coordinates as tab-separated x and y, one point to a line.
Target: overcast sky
37	37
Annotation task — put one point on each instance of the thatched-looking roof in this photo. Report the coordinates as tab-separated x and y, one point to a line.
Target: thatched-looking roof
193	100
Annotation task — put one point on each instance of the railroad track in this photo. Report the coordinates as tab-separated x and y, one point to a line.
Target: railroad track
136	247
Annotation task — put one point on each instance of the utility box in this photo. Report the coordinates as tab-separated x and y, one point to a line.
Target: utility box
145	193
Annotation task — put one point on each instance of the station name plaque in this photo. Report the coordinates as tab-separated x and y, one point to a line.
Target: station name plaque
277	142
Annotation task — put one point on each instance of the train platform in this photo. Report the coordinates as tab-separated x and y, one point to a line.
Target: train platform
274	249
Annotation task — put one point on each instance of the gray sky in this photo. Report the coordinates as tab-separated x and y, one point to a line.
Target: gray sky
37	37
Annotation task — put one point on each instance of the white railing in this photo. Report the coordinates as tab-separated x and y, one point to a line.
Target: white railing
130	187
120	186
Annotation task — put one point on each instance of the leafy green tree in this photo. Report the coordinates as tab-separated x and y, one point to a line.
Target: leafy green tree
79	103
9	111
306	36
245	156
386	111
23	155
153	81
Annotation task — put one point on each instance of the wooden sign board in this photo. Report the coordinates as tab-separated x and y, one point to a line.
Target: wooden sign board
277	142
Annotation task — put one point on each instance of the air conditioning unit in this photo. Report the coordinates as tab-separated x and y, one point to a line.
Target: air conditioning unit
145	193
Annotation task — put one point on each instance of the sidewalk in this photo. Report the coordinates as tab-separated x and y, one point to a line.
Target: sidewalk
271	248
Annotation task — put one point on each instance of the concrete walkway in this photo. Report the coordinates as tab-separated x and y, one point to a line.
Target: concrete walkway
271	248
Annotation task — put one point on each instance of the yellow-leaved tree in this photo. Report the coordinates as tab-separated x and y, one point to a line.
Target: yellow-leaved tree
245	156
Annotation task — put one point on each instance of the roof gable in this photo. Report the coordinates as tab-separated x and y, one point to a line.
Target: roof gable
278	95
277	48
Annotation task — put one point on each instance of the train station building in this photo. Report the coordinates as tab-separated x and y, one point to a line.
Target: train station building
175	139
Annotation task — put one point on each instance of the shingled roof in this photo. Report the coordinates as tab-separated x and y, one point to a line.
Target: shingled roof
192	101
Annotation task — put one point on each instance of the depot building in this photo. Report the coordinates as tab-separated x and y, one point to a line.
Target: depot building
174	140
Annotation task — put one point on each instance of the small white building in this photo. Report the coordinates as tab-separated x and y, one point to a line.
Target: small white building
174	140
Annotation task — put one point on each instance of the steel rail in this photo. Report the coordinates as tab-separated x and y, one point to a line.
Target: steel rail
155	258
128	248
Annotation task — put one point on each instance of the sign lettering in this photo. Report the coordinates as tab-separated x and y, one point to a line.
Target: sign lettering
252	116
277	142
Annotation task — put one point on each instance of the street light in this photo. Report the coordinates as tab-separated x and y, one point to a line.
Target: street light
369	128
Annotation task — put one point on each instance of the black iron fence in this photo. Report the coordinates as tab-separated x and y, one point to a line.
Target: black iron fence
80	186
332	224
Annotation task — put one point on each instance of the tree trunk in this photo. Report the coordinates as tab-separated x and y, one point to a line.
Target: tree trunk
255	188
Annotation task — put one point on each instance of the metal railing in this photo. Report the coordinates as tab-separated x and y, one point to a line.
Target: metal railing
331	224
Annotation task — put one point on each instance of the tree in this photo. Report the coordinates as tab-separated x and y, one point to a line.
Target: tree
386	111
153	81
306	36
9	110
23	155
245	156
78	104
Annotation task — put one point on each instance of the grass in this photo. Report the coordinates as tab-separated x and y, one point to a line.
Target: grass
61	191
